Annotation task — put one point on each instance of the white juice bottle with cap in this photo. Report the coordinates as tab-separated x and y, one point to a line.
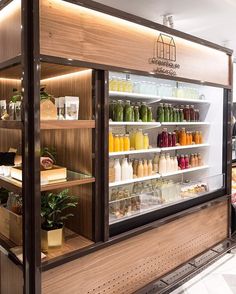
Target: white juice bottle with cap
162	164
168	163
124	170
130	170
117	168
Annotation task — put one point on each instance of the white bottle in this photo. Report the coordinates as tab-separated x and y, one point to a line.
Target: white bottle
162	164
176	164
155	163
168	163
130	170
172	164
117	168
124	170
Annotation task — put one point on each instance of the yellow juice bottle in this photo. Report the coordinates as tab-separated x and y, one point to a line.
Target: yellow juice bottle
145	141
111	143
139	140
121	142
116	144
126	143
132	139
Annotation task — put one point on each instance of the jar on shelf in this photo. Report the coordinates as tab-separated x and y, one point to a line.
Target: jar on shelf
136	113
160	113
143	112
149	114
128	114
118	113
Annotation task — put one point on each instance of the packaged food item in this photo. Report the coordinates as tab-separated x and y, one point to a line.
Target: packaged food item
140	169
182	162
111	171
46	162
186	158
162	164
131	170
187	116
150	167
112	109
168	163
136	114
166	113
192	113
71	108
121	142
125	170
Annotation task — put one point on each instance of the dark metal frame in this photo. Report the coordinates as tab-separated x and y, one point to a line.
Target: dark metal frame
31	59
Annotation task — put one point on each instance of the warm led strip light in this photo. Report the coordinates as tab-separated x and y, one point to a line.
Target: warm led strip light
9	9
67	76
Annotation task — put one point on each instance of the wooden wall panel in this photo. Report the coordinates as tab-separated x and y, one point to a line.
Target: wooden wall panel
71	31
11	277
74	147
127	266
10	31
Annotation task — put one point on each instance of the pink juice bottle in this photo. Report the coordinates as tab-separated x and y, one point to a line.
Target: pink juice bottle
169	140
186	159
164	138
182	162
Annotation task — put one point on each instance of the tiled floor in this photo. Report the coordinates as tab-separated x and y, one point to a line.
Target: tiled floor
219	278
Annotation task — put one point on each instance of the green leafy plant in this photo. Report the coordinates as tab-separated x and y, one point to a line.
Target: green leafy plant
17	95
43	94
53	207
49	152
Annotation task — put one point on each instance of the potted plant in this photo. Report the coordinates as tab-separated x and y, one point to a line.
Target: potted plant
53	206
48	110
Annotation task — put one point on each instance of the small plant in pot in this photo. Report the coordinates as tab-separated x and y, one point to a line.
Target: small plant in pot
53	214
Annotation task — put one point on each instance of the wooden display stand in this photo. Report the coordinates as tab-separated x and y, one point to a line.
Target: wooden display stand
74	60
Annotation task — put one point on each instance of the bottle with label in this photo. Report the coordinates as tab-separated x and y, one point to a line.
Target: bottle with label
200	137
171	114
164	138
181	115
145	168
117	168
187	113
121	142
116	144
136	114
140	169
139	140
160	113
132	139
174	139
196	159
128	112
192	113
182	162
145	141
200	162
183	137
118	111
155	163
162	164
192	160
111	171
196	138
126	143
170	140
176	166
112	109
124	170
168	163
135	167
150	167
186	158
111	143
177	115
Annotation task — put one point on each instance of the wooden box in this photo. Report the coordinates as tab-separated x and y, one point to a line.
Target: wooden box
11	225
57	173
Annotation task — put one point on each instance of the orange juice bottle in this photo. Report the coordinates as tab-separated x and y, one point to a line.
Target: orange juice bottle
132	139
126	143
200	138
190	138
121	142
183	137
116	144
111	143
145	141
187	138
196	138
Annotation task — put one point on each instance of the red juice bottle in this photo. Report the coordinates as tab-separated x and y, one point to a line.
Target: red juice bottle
186	159
169	140
182	162
164	138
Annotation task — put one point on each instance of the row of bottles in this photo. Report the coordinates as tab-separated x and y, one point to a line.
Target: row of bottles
179	137
140	112
168	113
136	140
127	112
152	88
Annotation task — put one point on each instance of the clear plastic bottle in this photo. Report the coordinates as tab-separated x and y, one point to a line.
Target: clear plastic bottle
176	166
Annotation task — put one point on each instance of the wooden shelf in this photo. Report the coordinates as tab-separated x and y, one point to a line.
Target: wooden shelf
73	179
72	243
67	124
155	97
10	124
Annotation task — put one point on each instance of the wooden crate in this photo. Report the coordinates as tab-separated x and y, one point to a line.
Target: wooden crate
11	225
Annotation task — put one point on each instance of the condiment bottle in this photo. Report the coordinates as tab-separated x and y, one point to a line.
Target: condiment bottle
145	141
111	143
168	163
117	168
139	140
126	143
192	113
155	163
124	170
187	113
174	139
130	170
162	164
164	138
186	159
121	142
150	167
166	113
145	168
140	169
116	144
182	162
192	160
160	113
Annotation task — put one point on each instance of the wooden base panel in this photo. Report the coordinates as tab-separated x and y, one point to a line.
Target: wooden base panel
127	266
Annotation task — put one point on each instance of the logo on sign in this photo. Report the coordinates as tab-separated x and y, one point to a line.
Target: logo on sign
164	56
